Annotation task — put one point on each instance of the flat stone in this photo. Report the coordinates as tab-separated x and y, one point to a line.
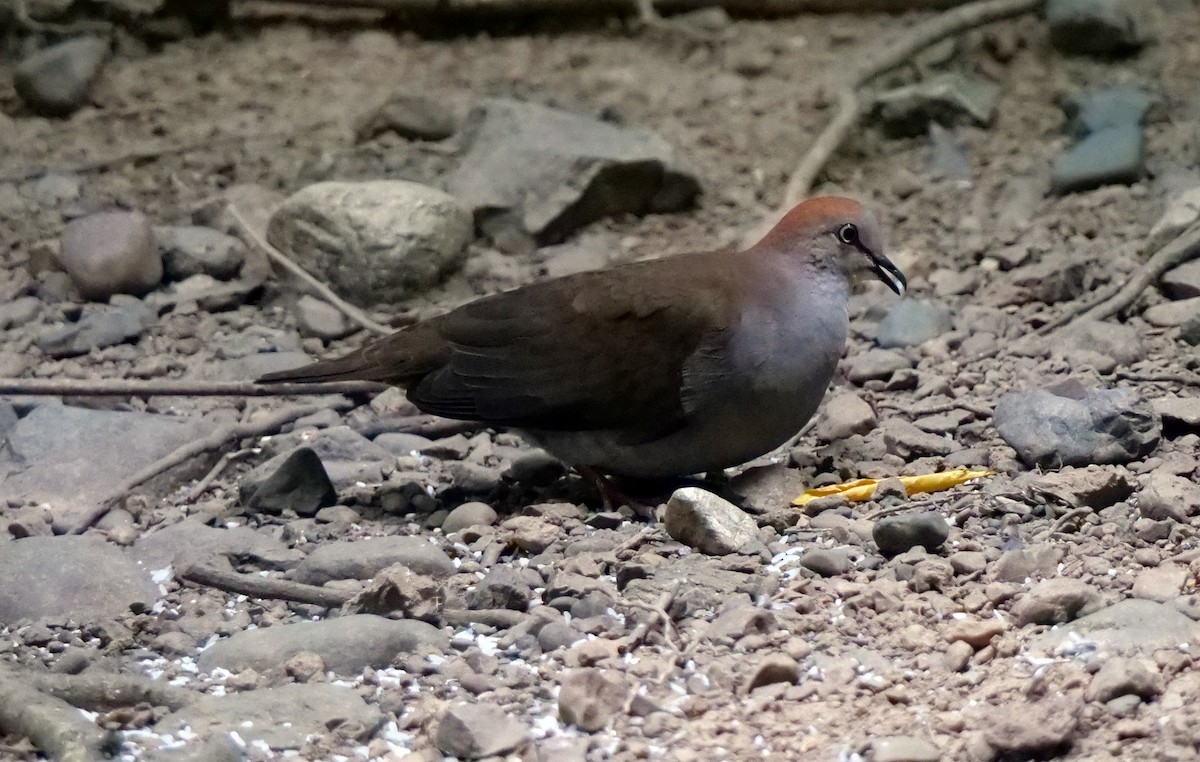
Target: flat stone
1128	627
557	171
1119	341
1109	156
63	455
321	319
123	320
1007	728
942	98
475	731
346	644
904	749
1170	314
707	522
1069	425
843	415
1166	497
69	577
191	542
1056	600
875	364
1020	564
1184	410
1121	676
188	250
1182	282
364	558
411	115
589	699
1162	584
910	322
284	717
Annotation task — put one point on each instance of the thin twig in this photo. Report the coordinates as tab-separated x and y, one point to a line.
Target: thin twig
659	609
1183	247
1075	514
199	487
120	387
266	587
216	439
901	51
1184	379
493	8
281	259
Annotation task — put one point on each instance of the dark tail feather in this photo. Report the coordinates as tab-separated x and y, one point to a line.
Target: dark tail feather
349	368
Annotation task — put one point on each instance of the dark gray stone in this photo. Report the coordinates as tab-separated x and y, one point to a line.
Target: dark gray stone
346	644
503	587
904	531
826	563
69	577
1109	125
55	81
1098	27
298	484
558	171
1069	425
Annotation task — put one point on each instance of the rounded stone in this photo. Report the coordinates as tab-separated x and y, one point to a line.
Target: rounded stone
111	253
896	534
469	515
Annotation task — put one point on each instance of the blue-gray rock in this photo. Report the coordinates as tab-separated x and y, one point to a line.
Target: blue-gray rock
1108	156
558	171
364	558
896	534
943	98
124	319
1098	27
69	577
298	484
65	456
946	156
111	253
1070	425
55	81
346	644
1110	150
188	250
910	322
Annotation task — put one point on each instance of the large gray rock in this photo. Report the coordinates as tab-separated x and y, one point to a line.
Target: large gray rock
364	558
376	241
708	522
65	456
284	717
558	171
55	81
191	542
69	577
345	644
1069	425
1108	123
111	253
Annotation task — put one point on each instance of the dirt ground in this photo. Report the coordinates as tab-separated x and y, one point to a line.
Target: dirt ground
273	99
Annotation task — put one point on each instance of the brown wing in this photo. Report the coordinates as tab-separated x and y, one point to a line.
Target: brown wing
602	350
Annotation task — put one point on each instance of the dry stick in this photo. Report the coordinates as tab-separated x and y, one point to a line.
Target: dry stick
573	7
51	724
899	52
198	488
102	691
177	387
266	587
279	258
298	592
212	441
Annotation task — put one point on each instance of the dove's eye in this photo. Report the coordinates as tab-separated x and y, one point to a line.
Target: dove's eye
848	234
